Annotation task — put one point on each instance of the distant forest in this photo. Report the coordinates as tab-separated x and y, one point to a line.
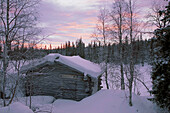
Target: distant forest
94	51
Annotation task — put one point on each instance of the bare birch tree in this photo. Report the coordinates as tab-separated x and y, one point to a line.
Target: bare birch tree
131	57
15	15
102	35
118	15
154	18
132	35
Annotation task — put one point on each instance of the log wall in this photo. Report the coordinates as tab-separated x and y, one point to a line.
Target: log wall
58	80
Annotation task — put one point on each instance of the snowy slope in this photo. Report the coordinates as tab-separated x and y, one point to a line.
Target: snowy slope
104	101
16	108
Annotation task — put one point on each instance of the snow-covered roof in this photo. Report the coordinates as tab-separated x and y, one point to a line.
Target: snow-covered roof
76	62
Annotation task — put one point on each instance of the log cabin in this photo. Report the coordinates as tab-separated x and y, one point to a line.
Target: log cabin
66	77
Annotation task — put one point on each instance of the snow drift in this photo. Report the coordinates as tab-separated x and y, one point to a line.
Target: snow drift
16	108
106	101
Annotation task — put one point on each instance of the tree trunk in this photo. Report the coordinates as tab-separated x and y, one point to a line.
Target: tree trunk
131	82
16	85
131	56
120	41
5	55
122	78
130	94
106	77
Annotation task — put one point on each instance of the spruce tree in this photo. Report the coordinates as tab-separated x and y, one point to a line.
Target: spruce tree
80	46
161	63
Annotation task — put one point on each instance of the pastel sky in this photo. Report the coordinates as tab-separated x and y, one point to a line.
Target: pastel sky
68	20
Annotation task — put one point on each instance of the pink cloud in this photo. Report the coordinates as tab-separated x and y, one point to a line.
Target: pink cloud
70	23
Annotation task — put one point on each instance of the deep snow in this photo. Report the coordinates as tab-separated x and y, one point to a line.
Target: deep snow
104	101
16	108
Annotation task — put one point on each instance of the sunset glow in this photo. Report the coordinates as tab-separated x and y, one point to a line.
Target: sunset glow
69	20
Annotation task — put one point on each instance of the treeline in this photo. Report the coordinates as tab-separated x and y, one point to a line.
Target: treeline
96	52
27	53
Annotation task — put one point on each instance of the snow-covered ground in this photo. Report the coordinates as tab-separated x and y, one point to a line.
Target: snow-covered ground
142	72
16	108
104	101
